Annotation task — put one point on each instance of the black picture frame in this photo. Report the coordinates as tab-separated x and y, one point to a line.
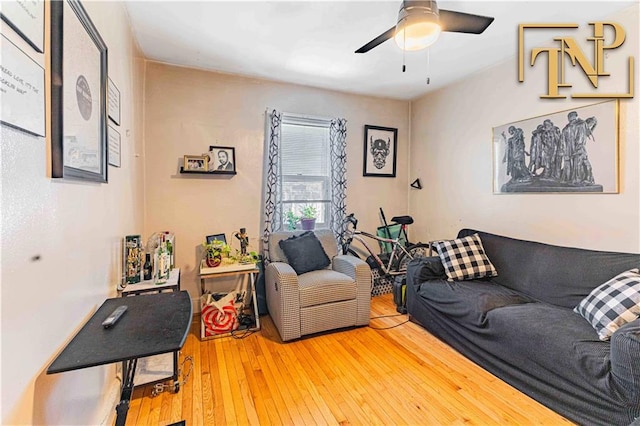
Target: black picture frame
27	20
113	102
115	143
380	145
216	237
72	155
215	164
22	102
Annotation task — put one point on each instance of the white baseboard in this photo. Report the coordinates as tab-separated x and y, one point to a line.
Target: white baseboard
107	411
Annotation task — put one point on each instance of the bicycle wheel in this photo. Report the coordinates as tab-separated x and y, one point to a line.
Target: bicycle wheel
415	250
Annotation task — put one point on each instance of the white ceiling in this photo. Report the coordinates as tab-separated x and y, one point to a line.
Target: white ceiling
313	42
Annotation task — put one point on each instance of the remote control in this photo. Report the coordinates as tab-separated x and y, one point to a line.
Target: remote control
114	317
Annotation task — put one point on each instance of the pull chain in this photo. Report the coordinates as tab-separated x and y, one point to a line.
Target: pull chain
404	51
428	65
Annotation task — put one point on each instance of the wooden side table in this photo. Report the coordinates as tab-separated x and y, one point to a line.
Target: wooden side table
238	270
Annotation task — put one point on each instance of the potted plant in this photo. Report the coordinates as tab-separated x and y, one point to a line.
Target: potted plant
291	220
213	252
308	217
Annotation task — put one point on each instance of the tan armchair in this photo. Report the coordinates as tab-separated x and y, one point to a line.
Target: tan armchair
316	301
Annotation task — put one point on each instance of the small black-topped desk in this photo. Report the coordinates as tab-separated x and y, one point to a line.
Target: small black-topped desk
152	325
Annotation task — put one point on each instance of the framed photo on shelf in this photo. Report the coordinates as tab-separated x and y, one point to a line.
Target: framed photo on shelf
196	163
79	148
27	19
380	146
216	237
222	159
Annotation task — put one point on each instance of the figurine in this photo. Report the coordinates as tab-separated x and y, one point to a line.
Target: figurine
244	240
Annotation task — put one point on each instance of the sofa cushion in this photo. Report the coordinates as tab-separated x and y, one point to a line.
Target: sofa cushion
465	259
562	276
551	343
304	253
613	304
325	286
468	302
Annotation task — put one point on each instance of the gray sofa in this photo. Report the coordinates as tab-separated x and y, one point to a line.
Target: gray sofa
520	325
335	297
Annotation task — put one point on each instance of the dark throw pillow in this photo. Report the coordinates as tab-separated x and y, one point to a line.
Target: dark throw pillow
304	253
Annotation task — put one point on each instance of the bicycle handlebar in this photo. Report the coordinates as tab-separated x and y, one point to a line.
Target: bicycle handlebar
352	219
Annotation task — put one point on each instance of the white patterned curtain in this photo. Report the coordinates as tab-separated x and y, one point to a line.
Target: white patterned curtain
272	192
272	197
338	145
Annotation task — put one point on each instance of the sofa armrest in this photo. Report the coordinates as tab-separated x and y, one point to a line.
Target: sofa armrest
424	269
359	271
625	360
283	299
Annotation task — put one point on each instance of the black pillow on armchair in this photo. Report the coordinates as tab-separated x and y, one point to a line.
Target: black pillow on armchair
304	253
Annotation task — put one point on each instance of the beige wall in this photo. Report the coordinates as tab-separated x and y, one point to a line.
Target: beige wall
61	250
187	110
451	152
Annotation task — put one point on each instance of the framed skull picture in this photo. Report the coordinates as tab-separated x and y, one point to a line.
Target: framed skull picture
380	145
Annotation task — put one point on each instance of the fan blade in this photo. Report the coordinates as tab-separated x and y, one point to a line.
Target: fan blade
378	40
459	22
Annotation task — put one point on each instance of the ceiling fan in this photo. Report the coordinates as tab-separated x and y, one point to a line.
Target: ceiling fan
420	24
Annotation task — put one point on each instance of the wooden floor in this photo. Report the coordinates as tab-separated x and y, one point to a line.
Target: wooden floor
362	376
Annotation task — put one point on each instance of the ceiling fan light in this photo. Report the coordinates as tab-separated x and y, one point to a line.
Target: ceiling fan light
418	36
418	25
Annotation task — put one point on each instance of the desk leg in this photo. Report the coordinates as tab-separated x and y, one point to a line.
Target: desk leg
255	300
127	389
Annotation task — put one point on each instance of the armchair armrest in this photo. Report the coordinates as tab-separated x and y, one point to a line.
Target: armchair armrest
283	301
360	272
625	361
351	266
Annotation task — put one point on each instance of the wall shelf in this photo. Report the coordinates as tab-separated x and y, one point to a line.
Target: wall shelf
210	173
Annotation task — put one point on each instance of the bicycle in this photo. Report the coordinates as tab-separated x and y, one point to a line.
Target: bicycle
400	255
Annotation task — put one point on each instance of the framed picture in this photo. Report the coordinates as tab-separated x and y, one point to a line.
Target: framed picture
222	159
78	95
574	150
22	96
216	237
113	105
27	19
114	146
196	163
380	146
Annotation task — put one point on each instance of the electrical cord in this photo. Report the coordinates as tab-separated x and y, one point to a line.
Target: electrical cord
389	327
236	335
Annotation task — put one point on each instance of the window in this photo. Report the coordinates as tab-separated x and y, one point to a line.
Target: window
305	168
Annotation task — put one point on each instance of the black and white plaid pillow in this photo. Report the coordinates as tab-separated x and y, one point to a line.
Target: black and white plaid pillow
465	259
612	304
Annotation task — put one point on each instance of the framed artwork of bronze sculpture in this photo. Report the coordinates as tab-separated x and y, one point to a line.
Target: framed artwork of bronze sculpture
575	150
380	151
